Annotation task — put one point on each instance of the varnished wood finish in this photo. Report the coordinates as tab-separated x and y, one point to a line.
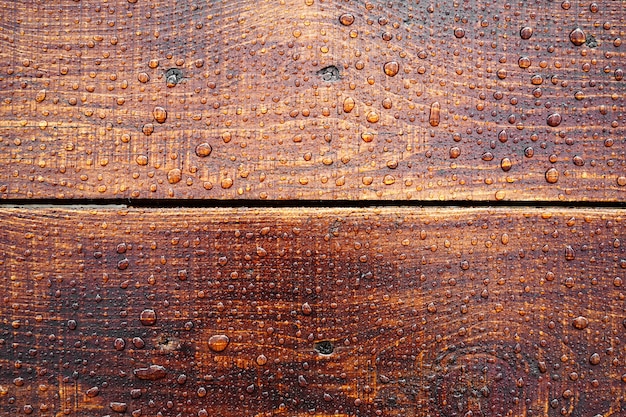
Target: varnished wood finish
427	312
311	99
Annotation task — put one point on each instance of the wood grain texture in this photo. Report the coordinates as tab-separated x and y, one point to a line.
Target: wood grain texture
311	99
294	312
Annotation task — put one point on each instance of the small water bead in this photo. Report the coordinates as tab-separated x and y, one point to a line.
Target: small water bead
387	36
218	342
526	32
391	68
387	104
261	360
346	19
459	33
577	36
455	152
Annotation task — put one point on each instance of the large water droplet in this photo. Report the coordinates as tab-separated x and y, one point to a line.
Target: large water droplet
346	19
160	114
434	114
151	373
148	317
552	175
391	68
218	342
577	37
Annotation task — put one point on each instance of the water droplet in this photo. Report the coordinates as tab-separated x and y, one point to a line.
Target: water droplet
552	175
391	68
455	152
367	137
148	317
594	359
503	136
92	392
203	150
118	407
174	176
160	115
524	62
346	19
580	323
506	164
218	342
459	33
577	37
526	32
569	253
138	342
389	179
348	104
306	309
151	373
261	360
41	96
373	117
119	344
554	120
434	114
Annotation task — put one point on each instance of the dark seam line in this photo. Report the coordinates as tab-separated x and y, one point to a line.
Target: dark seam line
174	203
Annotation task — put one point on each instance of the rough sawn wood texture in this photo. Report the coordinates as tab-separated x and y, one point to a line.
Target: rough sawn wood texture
311	99
300	312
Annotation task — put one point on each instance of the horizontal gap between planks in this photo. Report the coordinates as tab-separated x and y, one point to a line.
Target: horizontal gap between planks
165	203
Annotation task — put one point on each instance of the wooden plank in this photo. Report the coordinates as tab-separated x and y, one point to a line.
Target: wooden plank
293	312
311	99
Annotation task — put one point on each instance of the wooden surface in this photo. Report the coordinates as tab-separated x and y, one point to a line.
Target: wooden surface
244	312
311	99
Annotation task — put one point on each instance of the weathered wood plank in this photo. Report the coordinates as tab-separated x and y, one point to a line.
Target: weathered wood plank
311	99
398	311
